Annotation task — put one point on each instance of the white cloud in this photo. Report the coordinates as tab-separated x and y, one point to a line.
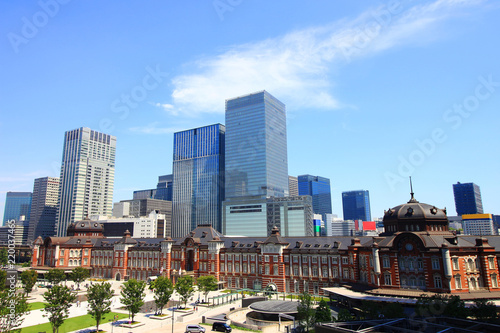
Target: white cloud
297	67
153	128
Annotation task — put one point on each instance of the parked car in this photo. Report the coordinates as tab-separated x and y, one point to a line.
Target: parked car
221	327
195	329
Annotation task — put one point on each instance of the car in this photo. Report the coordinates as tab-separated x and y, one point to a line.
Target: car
195	329
221	327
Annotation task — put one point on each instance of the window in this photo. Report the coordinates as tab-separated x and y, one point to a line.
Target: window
85	261
237	267
62	252
86	252
387	279
324	260
252	269
325	272
454	261
315	271
494	280
420	264
61	262
295	270
476	261
305	271
222	267
371	260
458	282
244	266
266	258
275	258
229	267
275	270
435	263
295	258
346	273
335	272
437	281
491	262
345	260
245	258
314	260
335	260
267	269
385	262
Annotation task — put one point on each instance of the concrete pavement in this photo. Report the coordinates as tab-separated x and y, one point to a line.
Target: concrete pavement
151	325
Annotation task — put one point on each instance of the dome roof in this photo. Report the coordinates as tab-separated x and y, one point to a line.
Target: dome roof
414	210
85	225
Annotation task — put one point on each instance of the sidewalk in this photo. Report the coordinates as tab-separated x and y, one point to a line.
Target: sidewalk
151	325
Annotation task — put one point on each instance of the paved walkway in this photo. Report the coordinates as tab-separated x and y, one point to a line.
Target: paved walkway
151	325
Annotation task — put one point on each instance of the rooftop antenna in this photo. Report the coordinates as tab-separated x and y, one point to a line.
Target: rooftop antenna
412	199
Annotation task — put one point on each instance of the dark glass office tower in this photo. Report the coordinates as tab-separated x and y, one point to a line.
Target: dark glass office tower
198	178
319	189
42	220
467	198
356	205
17	204
164	188
256	147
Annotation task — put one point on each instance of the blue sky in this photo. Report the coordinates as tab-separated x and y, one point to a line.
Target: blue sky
375	91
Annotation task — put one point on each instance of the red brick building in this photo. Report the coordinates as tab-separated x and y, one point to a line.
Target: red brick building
417	252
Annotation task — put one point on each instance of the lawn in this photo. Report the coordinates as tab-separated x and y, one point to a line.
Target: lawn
73	324
37	305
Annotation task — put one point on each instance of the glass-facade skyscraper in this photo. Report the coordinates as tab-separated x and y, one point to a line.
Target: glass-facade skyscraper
17	204
319	189
256	147
356	205
198	178
87	177
467	198
42	221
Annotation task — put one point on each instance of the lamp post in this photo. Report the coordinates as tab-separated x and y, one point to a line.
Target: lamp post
173	304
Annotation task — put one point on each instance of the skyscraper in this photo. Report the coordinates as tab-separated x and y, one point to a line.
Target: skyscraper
256	147
198	178
87	176
467	198
356	205
293	186
319	189
42	220
17	204
164	188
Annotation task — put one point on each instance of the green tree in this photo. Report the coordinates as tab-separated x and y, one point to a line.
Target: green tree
345	315
370	310
484	310
184	288
4	257
206	284
12	309
323	313
58	299
392	310
3	279
305	310
78	275
133	296
28	278
99	298
438	305
163	289
55	276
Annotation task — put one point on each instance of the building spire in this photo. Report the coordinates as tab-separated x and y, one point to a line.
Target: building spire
412	199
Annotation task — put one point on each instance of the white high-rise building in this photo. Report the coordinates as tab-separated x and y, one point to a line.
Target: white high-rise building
87	177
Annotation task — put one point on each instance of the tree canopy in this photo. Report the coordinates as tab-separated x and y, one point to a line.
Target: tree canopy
58	299
28	279
78	275
305	310
184	288
12	309
163	289
206	284
55	276
133	296
99	297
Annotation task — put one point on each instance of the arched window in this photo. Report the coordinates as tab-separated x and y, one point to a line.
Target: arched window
413	281
494	280
473	283
437	281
